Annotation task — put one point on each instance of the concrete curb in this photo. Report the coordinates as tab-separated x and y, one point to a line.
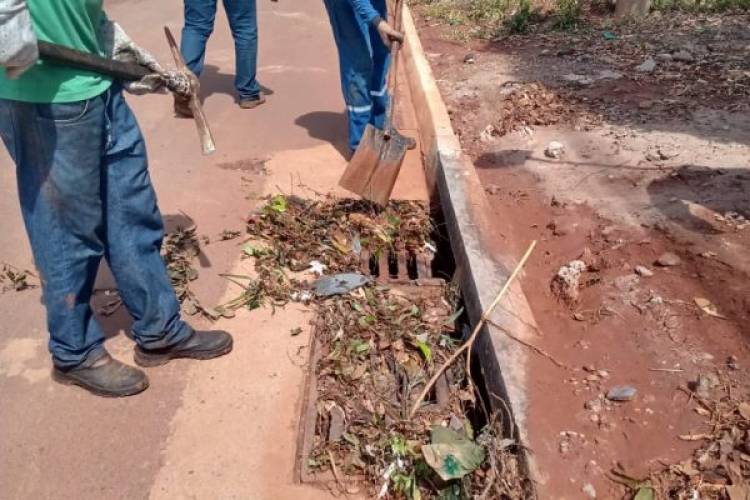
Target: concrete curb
482	265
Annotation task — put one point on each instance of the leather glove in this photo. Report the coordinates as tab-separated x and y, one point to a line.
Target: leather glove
388	34
18	47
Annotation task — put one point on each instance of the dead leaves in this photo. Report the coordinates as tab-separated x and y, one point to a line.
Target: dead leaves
12	278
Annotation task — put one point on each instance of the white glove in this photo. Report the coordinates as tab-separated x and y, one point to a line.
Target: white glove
18	48
117	45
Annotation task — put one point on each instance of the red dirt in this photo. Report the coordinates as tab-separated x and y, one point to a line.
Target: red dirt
605	202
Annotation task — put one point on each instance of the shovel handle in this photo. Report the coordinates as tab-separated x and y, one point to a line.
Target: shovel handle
393	70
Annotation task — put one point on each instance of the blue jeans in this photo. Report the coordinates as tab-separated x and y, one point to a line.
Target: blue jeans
363	63
85	194
243	21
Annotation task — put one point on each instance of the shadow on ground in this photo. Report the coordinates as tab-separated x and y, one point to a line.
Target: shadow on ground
326	126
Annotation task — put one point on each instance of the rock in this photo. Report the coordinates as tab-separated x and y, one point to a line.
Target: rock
643	271
589	490
567	280
647	66
579	79
668	259
554	150
646	104
594	405
665	57
602	373
470	58
683	56
621	393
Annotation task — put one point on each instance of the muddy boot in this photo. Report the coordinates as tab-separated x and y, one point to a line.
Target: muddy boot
104	377
200	345
252	102
411	143
182	106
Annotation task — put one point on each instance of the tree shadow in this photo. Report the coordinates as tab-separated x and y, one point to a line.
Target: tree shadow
693	187
327	126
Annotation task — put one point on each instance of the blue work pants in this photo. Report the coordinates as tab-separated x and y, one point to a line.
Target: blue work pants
85	195
363	63
243	21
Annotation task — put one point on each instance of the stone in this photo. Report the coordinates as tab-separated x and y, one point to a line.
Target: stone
665	57
621	393
594	405
589	490
643	271
683	56
554	150
470	58
668	259
647	66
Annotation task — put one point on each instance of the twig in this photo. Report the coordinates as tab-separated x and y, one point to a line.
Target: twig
470	342
534	348
336	473
667	370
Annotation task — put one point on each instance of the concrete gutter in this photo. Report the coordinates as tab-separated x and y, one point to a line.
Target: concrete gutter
482	263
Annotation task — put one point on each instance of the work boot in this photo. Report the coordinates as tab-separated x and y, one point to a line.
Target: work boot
200	345
252	102
411	143
182	106
104	376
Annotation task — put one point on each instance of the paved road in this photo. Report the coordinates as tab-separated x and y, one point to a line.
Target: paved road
220	429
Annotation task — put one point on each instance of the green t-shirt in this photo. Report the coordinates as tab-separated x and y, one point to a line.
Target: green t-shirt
74	24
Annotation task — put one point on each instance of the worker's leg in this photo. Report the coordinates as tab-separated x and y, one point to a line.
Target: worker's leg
199	24
57	151
133	232
243	20
355	63
380	62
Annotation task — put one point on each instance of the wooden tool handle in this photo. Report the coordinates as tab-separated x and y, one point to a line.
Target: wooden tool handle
393	70
90	62
201	123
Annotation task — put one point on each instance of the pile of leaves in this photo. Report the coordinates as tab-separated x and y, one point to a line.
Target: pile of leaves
533	104
378	347
289	235
720	468
179	250
12	278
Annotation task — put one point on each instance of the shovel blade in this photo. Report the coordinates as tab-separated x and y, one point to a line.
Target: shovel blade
374	168
364	162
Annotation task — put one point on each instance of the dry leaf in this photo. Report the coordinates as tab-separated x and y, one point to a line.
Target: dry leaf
708	307
744	410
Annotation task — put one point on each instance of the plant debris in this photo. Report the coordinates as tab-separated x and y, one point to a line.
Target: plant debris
720	468
180	248
376	347
12	278
533	104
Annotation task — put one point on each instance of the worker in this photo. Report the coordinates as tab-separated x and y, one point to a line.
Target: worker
86	194
363	38
243	21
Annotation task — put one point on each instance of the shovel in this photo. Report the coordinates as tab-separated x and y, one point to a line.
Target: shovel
127	72
373	169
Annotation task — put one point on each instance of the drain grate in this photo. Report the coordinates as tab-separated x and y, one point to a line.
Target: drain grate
313	425
400	265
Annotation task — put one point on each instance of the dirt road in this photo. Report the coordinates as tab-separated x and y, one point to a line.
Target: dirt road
219	429
652	162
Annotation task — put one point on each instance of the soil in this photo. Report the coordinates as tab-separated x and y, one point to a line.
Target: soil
653	162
